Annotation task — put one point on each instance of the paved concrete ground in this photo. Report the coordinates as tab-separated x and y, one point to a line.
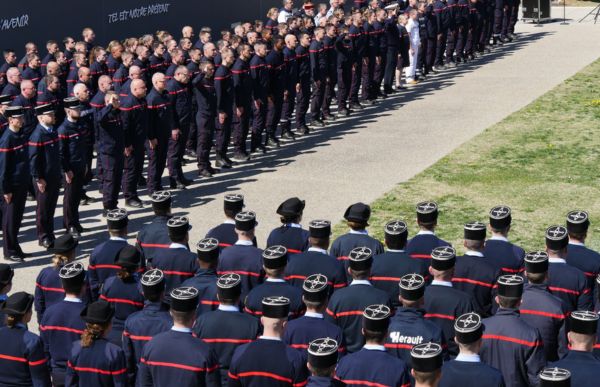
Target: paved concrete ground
362	157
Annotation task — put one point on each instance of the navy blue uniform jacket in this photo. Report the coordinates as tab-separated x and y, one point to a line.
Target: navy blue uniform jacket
315	261
341	247
178	265
457	373
372	365
153	238
301	331
477	276
22	358
72	138
390	266
101	364
48	290
569	284
584	367
274	287
245	261
14	162
504	255
205	281
102	263
294	239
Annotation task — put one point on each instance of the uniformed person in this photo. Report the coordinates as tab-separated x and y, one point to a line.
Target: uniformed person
541	309
22	354
503	254
153	238
426	363
274	261
292	84
319	76
243	257
203	85
291	235
555	377
474	273
62	325
304	79
73	159
268	361
578	255
122	291
95	361
205	279
372	364
260	89
322	360
102	260
14	180
176	354
580	360
177	262
357	217
408	326
565	281
392	265
467	369
180	95
316	259
4	103
345	304
44	158
142	326
421	245
226	328
225	232
443	302
225	98
6	276
509	343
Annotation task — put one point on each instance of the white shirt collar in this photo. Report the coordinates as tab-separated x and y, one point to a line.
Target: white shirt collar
228	308
360	232
229	221
474	253
394	251
374	347
425	232
183	330
177	246
576	243
313	315
270	338
556	260
317	250
498	238
116	238
244	243
468	358
274	280
48	128
360	282
442	283
72	299
294	225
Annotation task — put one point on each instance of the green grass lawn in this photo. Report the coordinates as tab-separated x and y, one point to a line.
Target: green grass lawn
541	161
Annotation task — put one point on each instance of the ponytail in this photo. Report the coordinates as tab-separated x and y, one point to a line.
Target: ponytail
92	333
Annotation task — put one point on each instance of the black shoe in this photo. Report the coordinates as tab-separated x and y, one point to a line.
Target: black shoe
75	232
328	117
105	212
222	163
240	157
356	106
318	124
45	243
287	136
368	102
142	182
191	153
25	255
204	173
228	160
81	229
438	68
134	203
85	200
176	184
302	130
14	258
272	143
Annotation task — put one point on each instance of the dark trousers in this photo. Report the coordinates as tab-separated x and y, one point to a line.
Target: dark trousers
302	102
316	103
223	135
132	172
514	16
498	17
344	78
357	69
379	72
259	115
431	52
176	151
289	102
368	73
274	109
421	59
329	91
157	160
440	48
71	199
391	61
192	134
461	40
206	132
241	125
12	216
112	169
451	43
45	208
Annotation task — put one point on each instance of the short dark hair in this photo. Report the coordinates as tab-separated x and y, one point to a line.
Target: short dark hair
536	278
508	302
374	335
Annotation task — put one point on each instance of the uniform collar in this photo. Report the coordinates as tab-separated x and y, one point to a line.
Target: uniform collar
182	330
244	243
72	299
576	243
468	358
294	225
116	238
271	338
498	238
313	315
229	221
507	312
425	232
374	347
276	280
474	253
317	250
228	308
556	260
360	282
395	251
177	246
441	283
3	297
359	232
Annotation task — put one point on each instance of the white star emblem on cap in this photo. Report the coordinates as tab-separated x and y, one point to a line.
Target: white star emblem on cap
316	281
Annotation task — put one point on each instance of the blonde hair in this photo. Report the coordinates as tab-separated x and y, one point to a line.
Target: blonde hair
92	333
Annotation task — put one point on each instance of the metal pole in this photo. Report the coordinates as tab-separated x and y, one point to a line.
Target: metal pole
539	10
564	23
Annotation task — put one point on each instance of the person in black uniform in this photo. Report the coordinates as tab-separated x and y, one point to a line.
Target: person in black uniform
467	370
225	232
345	304
73	159
408	326
426	362
565	281
359	50
177	262
22	354
153	238
322	360
6	276
142	326
102	260
122	291
304	79
443	302
205	279
343	66
14	180
372	364
203	85
291	235
503	254
509	343
422	244
176	355
225	98
580	360
227	328
316	259
260	90
292	85
392	265
268	361
319	77
276	70
578	255
392	35
62	325
555	377
4	103
44	158
242	100
541	309
95	361
474	273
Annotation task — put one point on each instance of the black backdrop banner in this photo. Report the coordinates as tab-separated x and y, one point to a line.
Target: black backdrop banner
41	20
